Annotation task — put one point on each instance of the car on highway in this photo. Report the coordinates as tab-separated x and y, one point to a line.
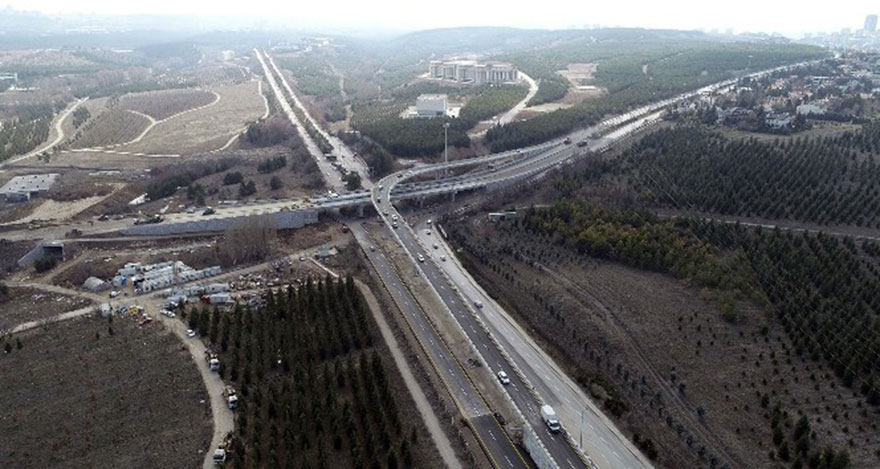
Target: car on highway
421	258
372	248
442	257
190	333
168	314
436	246
429	221
209	211
394	225
428	232
567	141
379	199
394	217
503	378
385	213
478	304
381	187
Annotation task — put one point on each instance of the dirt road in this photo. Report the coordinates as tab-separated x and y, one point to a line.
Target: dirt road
223	418
59	134
428	415
511	114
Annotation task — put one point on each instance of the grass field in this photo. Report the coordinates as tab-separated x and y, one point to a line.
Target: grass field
113	127
76	395
166	103
205	129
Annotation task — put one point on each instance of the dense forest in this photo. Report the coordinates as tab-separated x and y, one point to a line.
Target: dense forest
424	137
634	73
827	180
315	77
314	391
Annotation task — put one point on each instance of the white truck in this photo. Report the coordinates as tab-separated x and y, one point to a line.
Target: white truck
548	415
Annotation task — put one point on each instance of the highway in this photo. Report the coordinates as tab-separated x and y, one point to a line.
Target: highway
331	176
518	390
535	378
498	446
601	439
345	156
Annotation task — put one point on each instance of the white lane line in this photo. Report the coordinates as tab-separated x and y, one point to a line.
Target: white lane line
508	460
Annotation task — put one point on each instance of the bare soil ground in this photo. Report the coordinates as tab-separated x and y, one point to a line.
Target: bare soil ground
651	341
205	129
28	304
10	253
166	103
61	210
579	74
77	395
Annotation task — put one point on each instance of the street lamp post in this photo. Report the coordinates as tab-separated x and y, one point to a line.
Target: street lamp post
581	443
445	144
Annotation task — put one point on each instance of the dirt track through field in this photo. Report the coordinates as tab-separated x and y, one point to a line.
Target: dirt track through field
59	135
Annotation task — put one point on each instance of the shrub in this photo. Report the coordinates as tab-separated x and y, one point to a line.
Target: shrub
45	263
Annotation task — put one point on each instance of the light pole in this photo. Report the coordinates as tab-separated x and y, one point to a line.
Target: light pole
581	442
445	144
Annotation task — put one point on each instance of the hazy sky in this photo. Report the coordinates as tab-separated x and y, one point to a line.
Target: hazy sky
784	16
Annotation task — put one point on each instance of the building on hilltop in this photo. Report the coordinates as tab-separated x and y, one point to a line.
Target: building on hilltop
473	72
871	23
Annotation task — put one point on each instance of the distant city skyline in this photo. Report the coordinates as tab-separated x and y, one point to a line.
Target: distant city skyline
785	17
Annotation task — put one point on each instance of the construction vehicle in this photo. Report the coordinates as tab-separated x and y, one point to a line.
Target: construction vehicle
221	454
146	221
212	360
231	397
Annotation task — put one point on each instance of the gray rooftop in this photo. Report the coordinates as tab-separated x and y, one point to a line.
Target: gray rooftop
29	183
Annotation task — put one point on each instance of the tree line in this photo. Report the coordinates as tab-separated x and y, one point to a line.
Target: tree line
827	180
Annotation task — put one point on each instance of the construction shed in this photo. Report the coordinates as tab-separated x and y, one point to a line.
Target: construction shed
23	188
94	284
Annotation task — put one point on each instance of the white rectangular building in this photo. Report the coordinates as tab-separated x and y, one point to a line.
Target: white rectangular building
431	105
473	72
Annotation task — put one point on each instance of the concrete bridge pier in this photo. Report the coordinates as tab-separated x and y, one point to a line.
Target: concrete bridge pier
452	195
421	202
361	210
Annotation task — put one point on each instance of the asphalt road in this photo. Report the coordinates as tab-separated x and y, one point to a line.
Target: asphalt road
559	448
499	448
345	156
605	444
331	176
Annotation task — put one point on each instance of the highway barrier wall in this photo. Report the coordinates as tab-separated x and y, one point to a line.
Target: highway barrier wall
286	220
537	450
